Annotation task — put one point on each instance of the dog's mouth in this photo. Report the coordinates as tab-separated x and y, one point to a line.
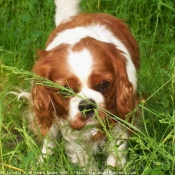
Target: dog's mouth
90	114
90	118
99	120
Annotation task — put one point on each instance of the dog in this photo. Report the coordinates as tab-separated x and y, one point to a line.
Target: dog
95	57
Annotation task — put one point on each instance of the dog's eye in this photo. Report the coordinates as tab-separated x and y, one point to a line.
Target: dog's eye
103	86
66	91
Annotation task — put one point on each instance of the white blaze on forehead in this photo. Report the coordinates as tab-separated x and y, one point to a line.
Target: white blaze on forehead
80	63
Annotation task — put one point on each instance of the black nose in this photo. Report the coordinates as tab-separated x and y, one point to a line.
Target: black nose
87	106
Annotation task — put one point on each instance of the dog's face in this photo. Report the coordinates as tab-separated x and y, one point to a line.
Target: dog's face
95	71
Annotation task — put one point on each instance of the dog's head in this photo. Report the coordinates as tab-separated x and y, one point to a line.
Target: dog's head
94	72
98	74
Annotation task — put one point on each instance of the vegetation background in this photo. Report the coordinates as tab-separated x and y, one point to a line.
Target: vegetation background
24	28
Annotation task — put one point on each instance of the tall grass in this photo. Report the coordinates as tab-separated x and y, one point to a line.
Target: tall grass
24	27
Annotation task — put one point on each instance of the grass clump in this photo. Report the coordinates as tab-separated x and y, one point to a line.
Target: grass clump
24	29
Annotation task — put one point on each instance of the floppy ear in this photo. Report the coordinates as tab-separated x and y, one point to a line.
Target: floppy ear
43	108
123	100
46	103
124	97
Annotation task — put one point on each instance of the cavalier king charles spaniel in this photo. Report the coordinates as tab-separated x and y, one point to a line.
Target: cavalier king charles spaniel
95	58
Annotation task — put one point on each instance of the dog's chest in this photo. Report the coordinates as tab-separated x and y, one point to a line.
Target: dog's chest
80	138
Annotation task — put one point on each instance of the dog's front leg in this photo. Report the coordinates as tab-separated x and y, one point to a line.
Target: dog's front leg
49	142
117	154
80	155
116	149
48	145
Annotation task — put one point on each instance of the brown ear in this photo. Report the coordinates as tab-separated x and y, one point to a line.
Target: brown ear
124	97
123	101
43	108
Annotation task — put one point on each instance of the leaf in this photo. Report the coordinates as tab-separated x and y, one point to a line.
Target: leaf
26	18
168	6
29	157
156	172
150	171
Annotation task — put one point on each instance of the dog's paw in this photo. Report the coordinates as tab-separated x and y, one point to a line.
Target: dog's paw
108	172
41	159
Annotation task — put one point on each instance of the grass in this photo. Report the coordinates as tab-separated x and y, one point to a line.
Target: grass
24	26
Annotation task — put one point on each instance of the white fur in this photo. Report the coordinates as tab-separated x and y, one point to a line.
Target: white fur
65	9
78	144
50	141
117	147
80	64
80	148
98	32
